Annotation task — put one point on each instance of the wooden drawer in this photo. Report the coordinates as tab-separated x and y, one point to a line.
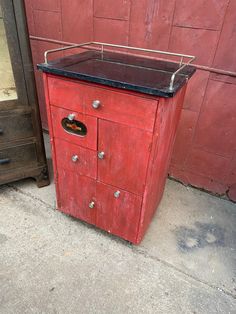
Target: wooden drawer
82	130
17	157
76	158
122	107
15	127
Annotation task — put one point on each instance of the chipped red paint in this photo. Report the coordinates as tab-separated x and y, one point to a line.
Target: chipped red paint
167	118
206	29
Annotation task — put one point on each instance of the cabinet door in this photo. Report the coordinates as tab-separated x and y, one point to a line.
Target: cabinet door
76	159
76	194
118	212
126	153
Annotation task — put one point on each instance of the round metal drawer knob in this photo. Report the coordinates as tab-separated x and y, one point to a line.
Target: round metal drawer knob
74	158
101	155
91	205
96	104
71	116
117	194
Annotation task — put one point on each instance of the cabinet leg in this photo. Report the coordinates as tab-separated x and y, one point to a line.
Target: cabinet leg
43	178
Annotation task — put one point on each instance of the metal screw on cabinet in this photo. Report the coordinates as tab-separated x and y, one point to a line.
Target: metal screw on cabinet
96	104
91	205
74	158
71	116
117	194
101	155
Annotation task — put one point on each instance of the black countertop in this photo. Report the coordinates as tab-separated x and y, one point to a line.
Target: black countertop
128	72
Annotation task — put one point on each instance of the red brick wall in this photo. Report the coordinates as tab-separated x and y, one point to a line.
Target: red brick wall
205	148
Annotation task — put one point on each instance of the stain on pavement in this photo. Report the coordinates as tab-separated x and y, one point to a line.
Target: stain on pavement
200	236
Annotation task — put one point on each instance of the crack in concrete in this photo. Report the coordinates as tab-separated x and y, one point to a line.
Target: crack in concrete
16	189
209	285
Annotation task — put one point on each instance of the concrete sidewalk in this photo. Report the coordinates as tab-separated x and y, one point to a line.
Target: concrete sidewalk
52	263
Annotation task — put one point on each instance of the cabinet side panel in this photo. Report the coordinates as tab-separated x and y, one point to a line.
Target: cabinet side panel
168	114
45	82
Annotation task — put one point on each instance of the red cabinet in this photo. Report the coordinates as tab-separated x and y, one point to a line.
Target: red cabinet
111	151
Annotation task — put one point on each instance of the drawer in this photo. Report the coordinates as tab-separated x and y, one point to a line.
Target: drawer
121	107
75	194
15	127
18	157
75	158
74	127
65	94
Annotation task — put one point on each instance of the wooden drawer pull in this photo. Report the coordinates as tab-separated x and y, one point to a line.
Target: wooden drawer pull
4	161
1	131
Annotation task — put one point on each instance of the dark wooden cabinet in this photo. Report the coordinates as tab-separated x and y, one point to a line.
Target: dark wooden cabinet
22	151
